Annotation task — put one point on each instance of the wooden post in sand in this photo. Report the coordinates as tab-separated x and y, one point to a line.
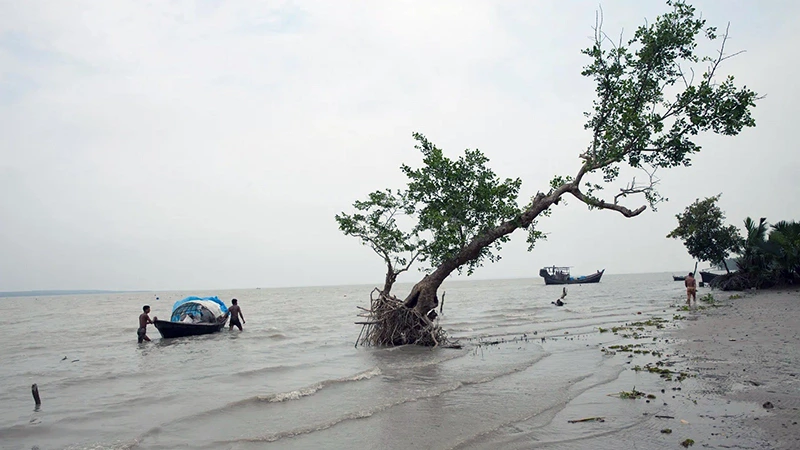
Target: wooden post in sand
697	275
35	392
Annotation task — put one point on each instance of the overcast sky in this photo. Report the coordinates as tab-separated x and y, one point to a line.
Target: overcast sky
208	144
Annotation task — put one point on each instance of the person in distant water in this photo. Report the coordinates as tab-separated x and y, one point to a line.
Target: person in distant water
235	312
560	301
691	288
144	319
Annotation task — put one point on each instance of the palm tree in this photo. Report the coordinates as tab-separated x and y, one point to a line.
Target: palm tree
784	238
756	258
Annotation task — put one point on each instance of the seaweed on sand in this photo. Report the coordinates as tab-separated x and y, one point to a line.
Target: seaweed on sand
632	394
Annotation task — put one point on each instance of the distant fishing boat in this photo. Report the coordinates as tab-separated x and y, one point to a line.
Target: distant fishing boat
193	316
560	275
683	277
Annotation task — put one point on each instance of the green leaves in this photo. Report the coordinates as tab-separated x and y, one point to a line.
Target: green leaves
634	120
701	228
457	200
785	239
376	225
756	255
446	204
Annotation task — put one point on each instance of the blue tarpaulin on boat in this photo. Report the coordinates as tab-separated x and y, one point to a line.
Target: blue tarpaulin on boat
197	307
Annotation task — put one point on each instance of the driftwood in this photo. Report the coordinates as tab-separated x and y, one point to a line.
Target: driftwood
389	322
588	419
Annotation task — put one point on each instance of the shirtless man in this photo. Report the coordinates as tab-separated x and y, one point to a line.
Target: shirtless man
144	319
235	312
691	288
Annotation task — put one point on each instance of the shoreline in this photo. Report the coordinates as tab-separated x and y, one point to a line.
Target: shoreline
722	374
745	349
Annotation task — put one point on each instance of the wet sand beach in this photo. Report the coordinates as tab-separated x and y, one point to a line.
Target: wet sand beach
747	351
724	373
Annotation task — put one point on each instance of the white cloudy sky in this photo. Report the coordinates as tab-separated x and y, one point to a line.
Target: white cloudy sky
209	144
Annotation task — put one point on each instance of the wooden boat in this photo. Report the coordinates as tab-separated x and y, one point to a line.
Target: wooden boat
560	275
170	329
194	316
729	266
708	276
683	277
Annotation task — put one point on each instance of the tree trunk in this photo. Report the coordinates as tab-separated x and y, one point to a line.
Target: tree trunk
391	277
423	295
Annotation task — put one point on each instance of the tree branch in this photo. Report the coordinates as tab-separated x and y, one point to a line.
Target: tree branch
598	203
408	266
632	188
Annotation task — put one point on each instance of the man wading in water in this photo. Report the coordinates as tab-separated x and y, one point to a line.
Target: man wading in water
235	312
144	319
691	289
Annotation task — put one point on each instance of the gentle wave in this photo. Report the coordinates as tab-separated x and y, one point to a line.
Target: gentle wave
361	414
284	367
369	412
120	445
272	398
492	439
313	389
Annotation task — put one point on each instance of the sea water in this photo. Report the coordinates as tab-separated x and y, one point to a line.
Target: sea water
294	378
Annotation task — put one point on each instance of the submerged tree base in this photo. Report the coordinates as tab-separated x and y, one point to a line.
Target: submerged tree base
391	323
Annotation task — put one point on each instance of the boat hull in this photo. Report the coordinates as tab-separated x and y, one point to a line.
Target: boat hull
708	276
593	278
674	278
180	329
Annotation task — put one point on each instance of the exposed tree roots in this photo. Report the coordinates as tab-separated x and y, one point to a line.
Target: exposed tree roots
738	281
390	323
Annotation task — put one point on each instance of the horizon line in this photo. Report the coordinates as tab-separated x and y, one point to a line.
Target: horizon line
50	292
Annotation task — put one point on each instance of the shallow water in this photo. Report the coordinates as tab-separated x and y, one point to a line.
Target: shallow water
293	378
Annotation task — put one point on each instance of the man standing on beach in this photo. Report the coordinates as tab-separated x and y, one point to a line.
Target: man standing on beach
691	288
235	312
144	319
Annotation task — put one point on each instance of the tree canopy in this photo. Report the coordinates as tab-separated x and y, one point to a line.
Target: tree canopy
376	225
457	200
785	238
702	229
635	120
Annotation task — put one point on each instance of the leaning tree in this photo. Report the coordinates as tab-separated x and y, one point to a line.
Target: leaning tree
649	109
